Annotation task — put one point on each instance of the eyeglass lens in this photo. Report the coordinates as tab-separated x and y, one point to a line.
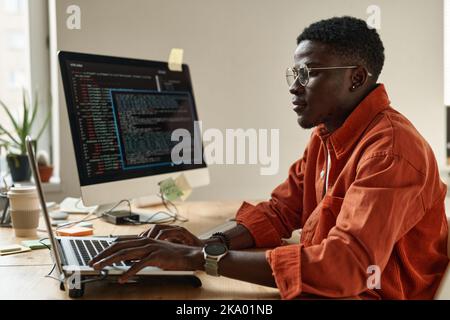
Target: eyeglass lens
302	74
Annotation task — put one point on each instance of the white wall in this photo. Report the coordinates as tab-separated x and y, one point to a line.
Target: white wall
238	51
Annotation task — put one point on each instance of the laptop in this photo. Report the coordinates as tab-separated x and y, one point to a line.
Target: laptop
72	254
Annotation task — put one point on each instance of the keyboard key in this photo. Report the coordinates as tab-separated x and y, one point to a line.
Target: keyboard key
90	248
83	252
104	243
75	250
97	245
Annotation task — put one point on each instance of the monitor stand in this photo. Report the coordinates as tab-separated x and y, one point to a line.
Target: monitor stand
149	209
148	201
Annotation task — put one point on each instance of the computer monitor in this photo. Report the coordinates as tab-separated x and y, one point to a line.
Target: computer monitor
122	113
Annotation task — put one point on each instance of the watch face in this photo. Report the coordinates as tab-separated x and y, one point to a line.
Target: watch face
215	249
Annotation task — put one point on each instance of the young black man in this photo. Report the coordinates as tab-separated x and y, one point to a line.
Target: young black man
366	193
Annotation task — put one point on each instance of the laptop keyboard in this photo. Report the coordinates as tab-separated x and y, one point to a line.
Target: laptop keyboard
85	250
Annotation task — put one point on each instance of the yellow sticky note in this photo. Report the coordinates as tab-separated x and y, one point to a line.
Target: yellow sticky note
170	190
182	183
176	59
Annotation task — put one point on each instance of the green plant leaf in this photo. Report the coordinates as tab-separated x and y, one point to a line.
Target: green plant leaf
11	118
5	141
44	125
9	135
35	108
25	126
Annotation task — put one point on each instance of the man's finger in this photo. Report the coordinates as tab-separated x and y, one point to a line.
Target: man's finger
175	240
144	233
135	268
117	247
158	228
123	255
168	233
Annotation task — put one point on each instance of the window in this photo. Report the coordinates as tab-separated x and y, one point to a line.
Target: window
16	41
16	79
14	6
14	60
24	62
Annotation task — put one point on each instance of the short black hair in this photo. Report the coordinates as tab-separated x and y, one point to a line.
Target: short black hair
349	38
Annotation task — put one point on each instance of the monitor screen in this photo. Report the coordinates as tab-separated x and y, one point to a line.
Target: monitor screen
122	113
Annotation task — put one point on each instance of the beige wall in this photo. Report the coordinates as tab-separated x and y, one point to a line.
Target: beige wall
238	51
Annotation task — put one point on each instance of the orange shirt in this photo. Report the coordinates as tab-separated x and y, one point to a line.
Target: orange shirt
383	207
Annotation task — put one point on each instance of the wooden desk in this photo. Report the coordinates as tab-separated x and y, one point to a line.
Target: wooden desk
22	276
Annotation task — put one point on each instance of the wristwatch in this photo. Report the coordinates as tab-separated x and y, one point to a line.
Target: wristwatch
222	237
213	253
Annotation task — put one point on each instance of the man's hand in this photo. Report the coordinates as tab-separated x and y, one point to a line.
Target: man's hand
150	252
174	234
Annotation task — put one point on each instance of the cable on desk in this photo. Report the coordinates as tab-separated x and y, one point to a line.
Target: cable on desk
103	276
85	219
41	241
51	271
70	224
172	212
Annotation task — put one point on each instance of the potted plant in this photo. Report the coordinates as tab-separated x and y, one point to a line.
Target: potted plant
45	169
14	140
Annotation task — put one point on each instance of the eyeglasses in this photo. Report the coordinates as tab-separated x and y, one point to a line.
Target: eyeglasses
302	73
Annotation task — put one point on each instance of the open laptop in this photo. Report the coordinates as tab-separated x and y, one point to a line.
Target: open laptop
72	254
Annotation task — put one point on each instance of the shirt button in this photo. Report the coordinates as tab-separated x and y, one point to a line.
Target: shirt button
322	173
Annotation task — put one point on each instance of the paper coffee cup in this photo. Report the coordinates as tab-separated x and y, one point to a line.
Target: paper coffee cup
25	209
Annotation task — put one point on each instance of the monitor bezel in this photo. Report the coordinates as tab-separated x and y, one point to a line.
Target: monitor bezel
65	56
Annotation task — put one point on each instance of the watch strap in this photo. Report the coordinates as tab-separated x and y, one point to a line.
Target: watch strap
212	266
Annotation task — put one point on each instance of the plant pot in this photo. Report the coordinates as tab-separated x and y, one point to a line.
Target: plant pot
19	167
45	172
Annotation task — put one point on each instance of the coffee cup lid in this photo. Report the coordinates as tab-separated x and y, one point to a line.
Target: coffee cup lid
22	190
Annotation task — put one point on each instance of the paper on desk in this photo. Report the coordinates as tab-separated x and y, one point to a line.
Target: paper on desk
75	205
36	244
20	249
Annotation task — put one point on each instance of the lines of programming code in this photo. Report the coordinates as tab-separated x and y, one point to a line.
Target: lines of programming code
145	121
96	125
129	138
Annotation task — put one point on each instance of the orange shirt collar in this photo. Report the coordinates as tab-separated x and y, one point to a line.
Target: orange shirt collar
344	138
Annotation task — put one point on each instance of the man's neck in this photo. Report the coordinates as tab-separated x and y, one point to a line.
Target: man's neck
331	127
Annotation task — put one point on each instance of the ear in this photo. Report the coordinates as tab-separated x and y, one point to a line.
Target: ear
359	77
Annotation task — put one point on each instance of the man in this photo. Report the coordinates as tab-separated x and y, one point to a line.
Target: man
366	193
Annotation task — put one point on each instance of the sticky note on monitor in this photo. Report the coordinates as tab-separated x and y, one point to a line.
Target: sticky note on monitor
170	190
182	184
176	59
176	189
